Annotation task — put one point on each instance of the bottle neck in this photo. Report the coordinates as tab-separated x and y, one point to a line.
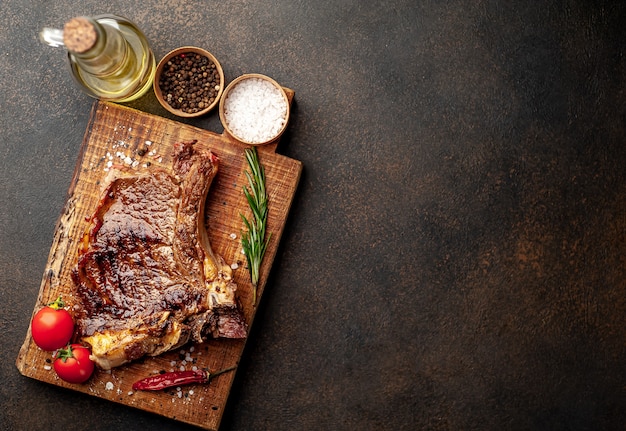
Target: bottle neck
105	54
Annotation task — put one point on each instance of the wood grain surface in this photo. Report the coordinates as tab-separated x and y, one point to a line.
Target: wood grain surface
118	135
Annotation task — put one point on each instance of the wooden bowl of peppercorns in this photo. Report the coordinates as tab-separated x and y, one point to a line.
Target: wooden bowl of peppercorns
189	81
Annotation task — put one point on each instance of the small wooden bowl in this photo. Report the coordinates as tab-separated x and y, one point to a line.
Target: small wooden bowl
159	70
223	116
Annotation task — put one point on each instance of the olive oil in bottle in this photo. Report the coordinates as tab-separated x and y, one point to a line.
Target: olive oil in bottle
108	55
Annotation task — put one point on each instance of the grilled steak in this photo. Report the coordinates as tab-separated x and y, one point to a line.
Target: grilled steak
146	278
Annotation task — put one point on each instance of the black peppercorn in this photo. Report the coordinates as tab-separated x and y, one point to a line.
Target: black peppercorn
190	82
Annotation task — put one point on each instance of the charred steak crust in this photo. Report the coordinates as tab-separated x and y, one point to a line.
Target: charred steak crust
147	279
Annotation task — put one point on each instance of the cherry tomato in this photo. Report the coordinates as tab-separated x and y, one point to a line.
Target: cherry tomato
52	326
73	365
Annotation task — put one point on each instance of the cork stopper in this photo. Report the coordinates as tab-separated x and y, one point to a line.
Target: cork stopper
79	35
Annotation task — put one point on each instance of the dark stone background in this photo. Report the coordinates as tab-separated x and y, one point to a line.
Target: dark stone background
455	255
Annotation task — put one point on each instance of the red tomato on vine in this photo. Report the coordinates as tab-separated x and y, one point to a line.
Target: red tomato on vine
52	326
73	365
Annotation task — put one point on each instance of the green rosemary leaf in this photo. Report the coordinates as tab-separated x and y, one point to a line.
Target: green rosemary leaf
253	241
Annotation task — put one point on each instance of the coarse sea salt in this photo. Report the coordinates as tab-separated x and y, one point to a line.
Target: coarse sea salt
255	110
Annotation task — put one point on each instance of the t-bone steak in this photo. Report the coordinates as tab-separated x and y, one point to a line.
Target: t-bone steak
146	278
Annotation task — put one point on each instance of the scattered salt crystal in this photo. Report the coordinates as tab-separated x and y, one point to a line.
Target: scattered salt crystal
130	393
109	386
173	363
180	394
234	265
182	368
47	367
233	236
191	392
128	160
191	349
148	143
194	368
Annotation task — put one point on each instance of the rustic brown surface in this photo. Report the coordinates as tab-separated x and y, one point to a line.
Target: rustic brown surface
455	255
114	130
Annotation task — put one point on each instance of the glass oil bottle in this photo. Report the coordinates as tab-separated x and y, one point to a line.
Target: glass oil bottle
109	56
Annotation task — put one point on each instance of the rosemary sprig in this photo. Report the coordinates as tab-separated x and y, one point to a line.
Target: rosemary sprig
253	241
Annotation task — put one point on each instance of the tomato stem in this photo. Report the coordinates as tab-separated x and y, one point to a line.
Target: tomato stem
65	353
57	304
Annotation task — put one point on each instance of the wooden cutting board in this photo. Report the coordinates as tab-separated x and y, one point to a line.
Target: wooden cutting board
118	135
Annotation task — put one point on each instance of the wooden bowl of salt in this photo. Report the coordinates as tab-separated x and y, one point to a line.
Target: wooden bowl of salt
254	109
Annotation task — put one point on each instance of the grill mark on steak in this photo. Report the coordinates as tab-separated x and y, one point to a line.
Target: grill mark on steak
146	278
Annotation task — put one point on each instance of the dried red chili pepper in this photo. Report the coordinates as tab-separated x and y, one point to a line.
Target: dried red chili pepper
176	378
